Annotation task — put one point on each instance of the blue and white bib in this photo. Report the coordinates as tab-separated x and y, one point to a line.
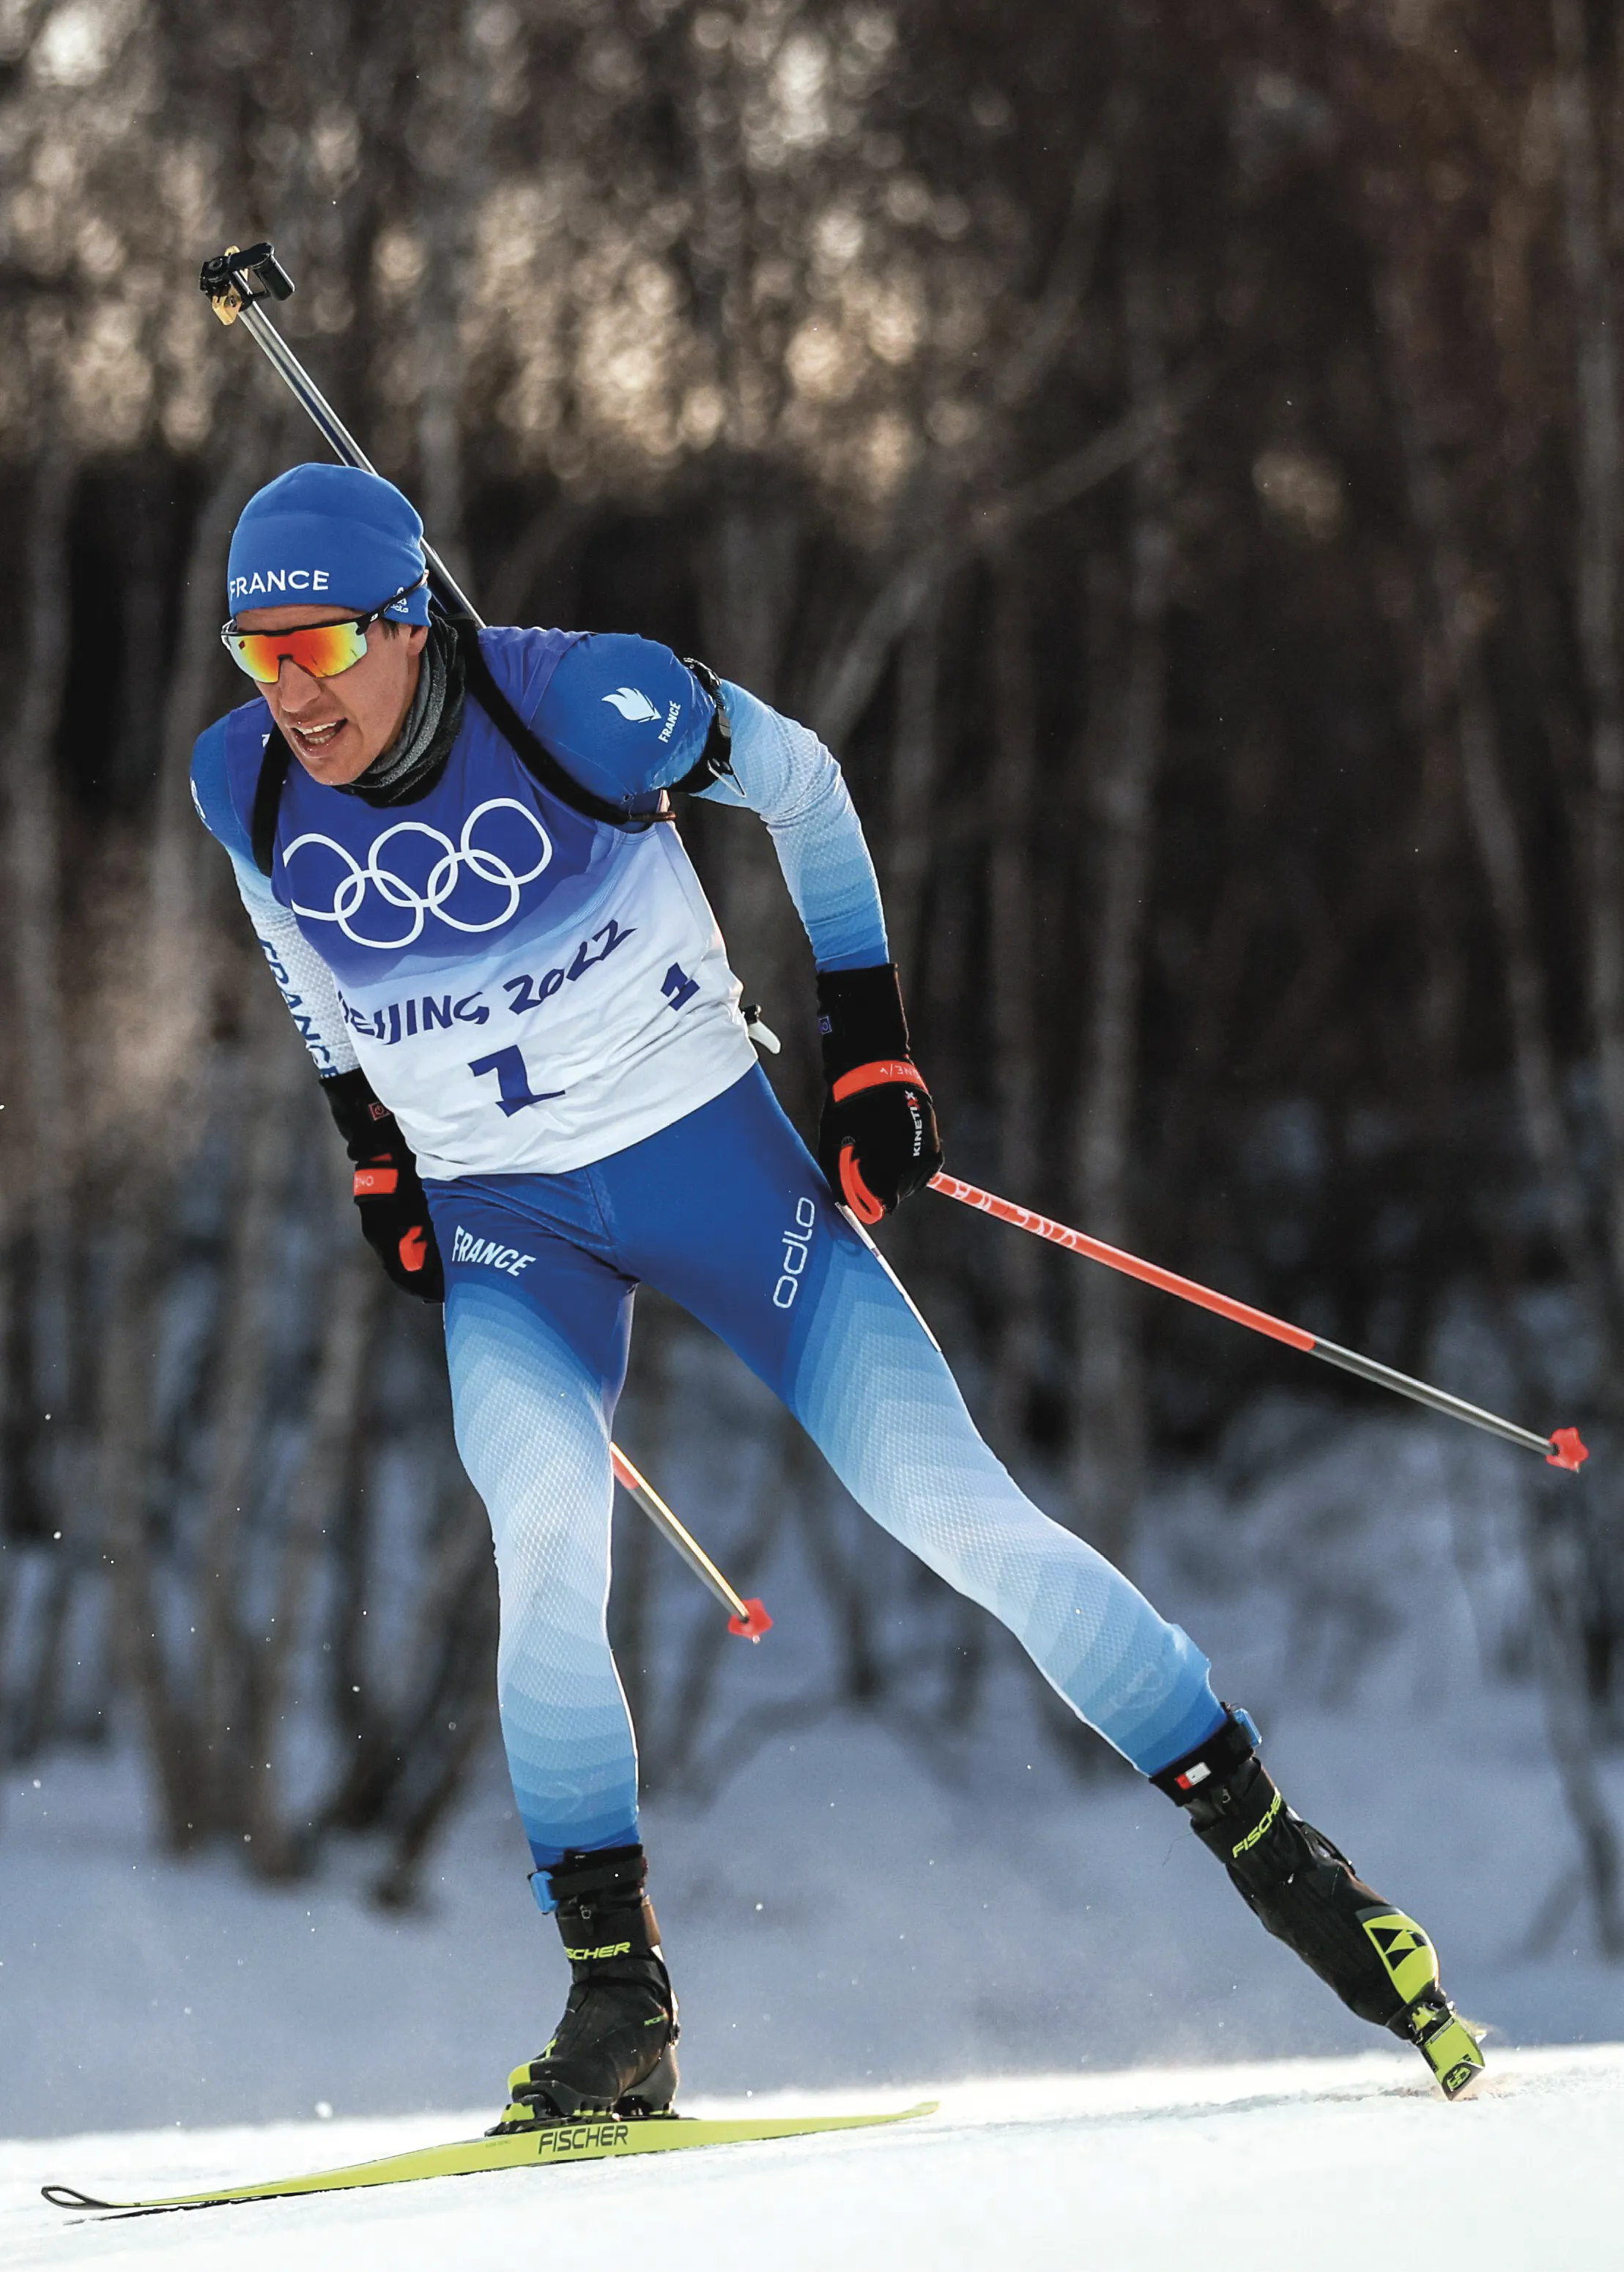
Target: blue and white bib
528	989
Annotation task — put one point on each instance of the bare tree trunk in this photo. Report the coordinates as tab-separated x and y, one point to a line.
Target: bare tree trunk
1109	1458
1243	903
161	1091
449	153
124	1480
469	1685
34	1715
1452	663
42	1136
10	1548
163	1054
1557	1565
746	605
518	576
162	1067
1538	1080
236	1419
51	1432
454	1696
789	1472
351	1303
915	758
1562	1567
1012	954
905	869
402	1765
1595	316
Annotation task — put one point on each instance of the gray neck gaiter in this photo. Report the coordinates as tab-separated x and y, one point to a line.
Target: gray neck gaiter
415	759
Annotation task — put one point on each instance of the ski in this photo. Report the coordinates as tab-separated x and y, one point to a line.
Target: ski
597	2140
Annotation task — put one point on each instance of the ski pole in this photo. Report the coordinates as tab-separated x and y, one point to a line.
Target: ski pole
1560	1449
745	1615
236	284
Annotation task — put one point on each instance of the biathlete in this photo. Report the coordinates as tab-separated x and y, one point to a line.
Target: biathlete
457	853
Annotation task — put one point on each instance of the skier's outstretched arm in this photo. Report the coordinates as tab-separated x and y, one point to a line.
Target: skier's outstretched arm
877	1139
783	771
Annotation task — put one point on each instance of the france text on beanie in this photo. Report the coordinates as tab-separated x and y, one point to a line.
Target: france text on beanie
332	534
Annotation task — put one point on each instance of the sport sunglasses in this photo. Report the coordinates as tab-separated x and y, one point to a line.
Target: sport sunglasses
323	649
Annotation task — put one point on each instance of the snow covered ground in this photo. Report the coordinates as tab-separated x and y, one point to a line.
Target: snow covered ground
852	1915
837	1917
848	1910
1345	2164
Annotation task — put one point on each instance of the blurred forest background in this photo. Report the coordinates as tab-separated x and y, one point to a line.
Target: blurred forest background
1171	455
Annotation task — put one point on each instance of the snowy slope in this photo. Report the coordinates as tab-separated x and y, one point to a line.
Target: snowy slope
852	1908
839	1917
1347	2163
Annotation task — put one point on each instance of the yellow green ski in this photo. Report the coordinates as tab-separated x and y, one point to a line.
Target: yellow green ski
598	2141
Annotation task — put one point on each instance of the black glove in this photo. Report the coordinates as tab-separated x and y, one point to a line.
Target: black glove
394	1214
877	1140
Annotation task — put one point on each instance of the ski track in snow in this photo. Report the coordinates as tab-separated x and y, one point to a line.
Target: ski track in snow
1346	2163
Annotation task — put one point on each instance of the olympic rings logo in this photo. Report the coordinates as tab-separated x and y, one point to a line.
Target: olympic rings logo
443	878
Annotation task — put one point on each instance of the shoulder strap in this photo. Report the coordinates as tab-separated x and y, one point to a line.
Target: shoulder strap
537	757
538	760
268	797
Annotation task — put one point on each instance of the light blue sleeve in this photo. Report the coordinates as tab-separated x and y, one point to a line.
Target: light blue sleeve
302	979
783	771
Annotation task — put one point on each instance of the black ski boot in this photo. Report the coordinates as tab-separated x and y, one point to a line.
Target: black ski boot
1304	1892
614	2051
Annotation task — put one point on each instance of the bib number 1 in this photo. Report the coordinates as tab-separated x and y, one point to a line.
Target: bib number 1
512	1080
678	987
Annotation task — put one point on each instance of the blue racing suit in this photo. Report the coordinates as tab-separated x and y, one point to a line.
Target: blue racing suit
544	1002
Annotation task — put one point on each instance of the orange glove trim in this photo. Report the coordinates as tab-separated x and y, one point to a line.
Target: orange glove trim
376	1183
881	1074
867	1209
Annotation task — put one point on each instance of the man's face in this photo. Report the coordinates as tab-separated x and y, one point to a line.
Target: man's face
335	727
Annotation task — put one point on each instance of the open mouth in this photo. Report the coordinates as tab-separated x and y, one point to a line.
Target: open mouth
315	739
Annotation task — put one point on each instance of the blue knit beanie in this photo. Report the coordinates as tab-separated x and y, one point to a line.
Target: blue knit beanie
327	532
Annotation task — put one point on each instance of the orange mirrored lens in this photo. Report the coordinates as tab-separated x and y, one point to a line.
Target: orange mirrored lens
323	649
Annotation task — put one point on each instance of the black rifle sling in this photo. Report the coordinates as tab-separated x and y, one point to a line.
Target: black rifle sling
537	758
715	759
268	799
